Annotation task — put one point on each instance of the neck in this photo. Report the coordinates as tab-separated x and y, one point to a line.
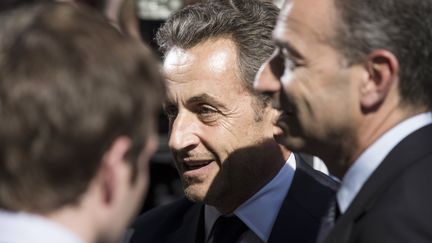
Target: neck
82	218
370	129
79	222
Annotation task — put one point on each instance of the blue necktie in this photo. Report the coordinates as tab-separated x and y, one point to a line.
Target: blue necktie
328	221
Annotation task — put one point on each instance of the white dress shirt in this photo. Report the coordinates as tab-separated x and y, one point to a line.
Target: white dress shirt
260	211
372	157
29	228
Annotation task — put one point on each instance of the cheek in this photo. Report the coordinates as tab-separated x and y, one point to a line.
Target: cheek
143	174
140	190
224	138
312	88
295	91
218	139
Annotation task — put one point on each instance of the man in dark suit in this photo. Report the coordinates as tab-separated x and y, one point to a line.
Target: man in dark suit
355	82
221	134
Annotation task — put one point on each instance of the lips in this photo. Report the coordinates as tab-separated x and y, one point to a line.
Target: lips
195	164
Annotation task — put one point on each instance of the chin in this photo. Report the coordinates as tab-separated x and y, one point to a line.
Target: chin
194	193
295	144
282	140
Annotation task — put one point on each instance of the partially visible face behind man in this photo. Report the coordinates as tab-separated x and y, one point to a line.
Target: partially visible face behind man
309	80
212	117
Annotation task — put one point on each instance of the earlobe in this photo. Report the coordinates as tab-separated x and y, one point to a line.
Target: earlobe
382	68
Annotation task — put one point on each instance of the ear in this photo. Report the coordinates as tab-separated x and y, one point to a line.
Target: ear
112	166
383	71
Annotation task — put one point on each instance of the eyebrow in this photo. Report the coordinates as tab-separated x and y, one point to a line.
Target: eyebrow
289	47
200	98
205	98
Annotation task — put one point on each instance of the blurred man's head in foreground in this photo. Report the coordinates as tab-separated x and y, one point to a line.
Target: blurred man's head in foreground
78	102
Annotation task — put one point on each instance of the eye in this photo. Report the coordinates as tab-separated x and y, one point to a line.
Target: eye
207	113
289	61
171	112
205	109
277	63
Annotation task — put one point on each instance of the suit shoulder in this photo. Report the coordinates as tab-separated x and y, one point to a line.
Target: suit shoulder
320	178
312	189
403	209
181	219
163	214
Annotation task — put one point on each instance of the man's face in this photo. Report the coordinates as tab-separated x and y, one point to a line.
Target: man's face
311	83
214	120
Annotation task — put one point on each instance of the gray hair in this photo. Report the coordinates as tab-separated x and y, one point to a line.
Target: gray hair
403	27
249	23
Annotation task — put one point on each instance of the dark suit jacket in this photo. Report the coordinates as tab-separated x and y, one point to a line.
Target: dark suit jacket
395	203
298	219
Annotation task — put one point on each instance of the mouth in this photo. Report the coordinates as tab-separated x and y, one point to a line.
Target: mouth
189	165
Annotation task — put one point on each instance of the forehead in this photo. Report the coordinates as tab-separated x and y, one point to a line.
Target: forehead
298	19
209	67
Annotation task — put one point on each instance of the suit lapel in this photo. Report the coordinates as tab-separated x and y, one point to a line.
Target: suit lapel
299	217
290	222
191	229
409	150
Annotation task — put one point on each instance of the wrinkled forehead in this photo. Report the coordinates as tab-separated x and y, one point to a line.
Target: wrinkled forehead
208	67
217	61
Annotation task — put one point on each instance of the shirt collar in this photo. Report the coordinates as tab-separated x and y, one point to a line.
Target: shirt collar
372	157
24	227
260	211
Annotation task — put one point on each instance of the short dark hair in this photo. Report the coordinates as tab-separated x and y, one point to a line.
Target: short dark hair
404	27
10	4
69	85
248	23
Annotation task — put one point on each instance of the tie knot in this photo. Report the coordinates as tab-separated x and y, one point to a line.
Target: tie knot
228	229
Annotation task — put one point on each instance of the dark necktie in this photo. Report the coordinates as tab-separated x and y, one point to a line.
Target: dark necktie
228	229
328	221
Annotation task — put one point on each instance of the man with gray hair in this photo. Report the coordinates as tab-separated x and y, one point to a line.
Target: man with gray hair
78	106
354	80
240	185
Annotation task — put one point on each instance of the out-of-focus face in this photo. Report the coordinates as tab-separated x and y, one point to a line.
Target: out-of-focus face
214	122
311	84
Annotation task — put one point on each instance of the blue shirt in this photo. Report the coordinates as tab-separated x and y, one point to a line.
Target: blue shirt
260	211
372	157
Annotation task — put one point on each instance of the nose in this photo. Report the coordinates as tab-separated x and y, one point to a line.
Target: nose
267	80
183	133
